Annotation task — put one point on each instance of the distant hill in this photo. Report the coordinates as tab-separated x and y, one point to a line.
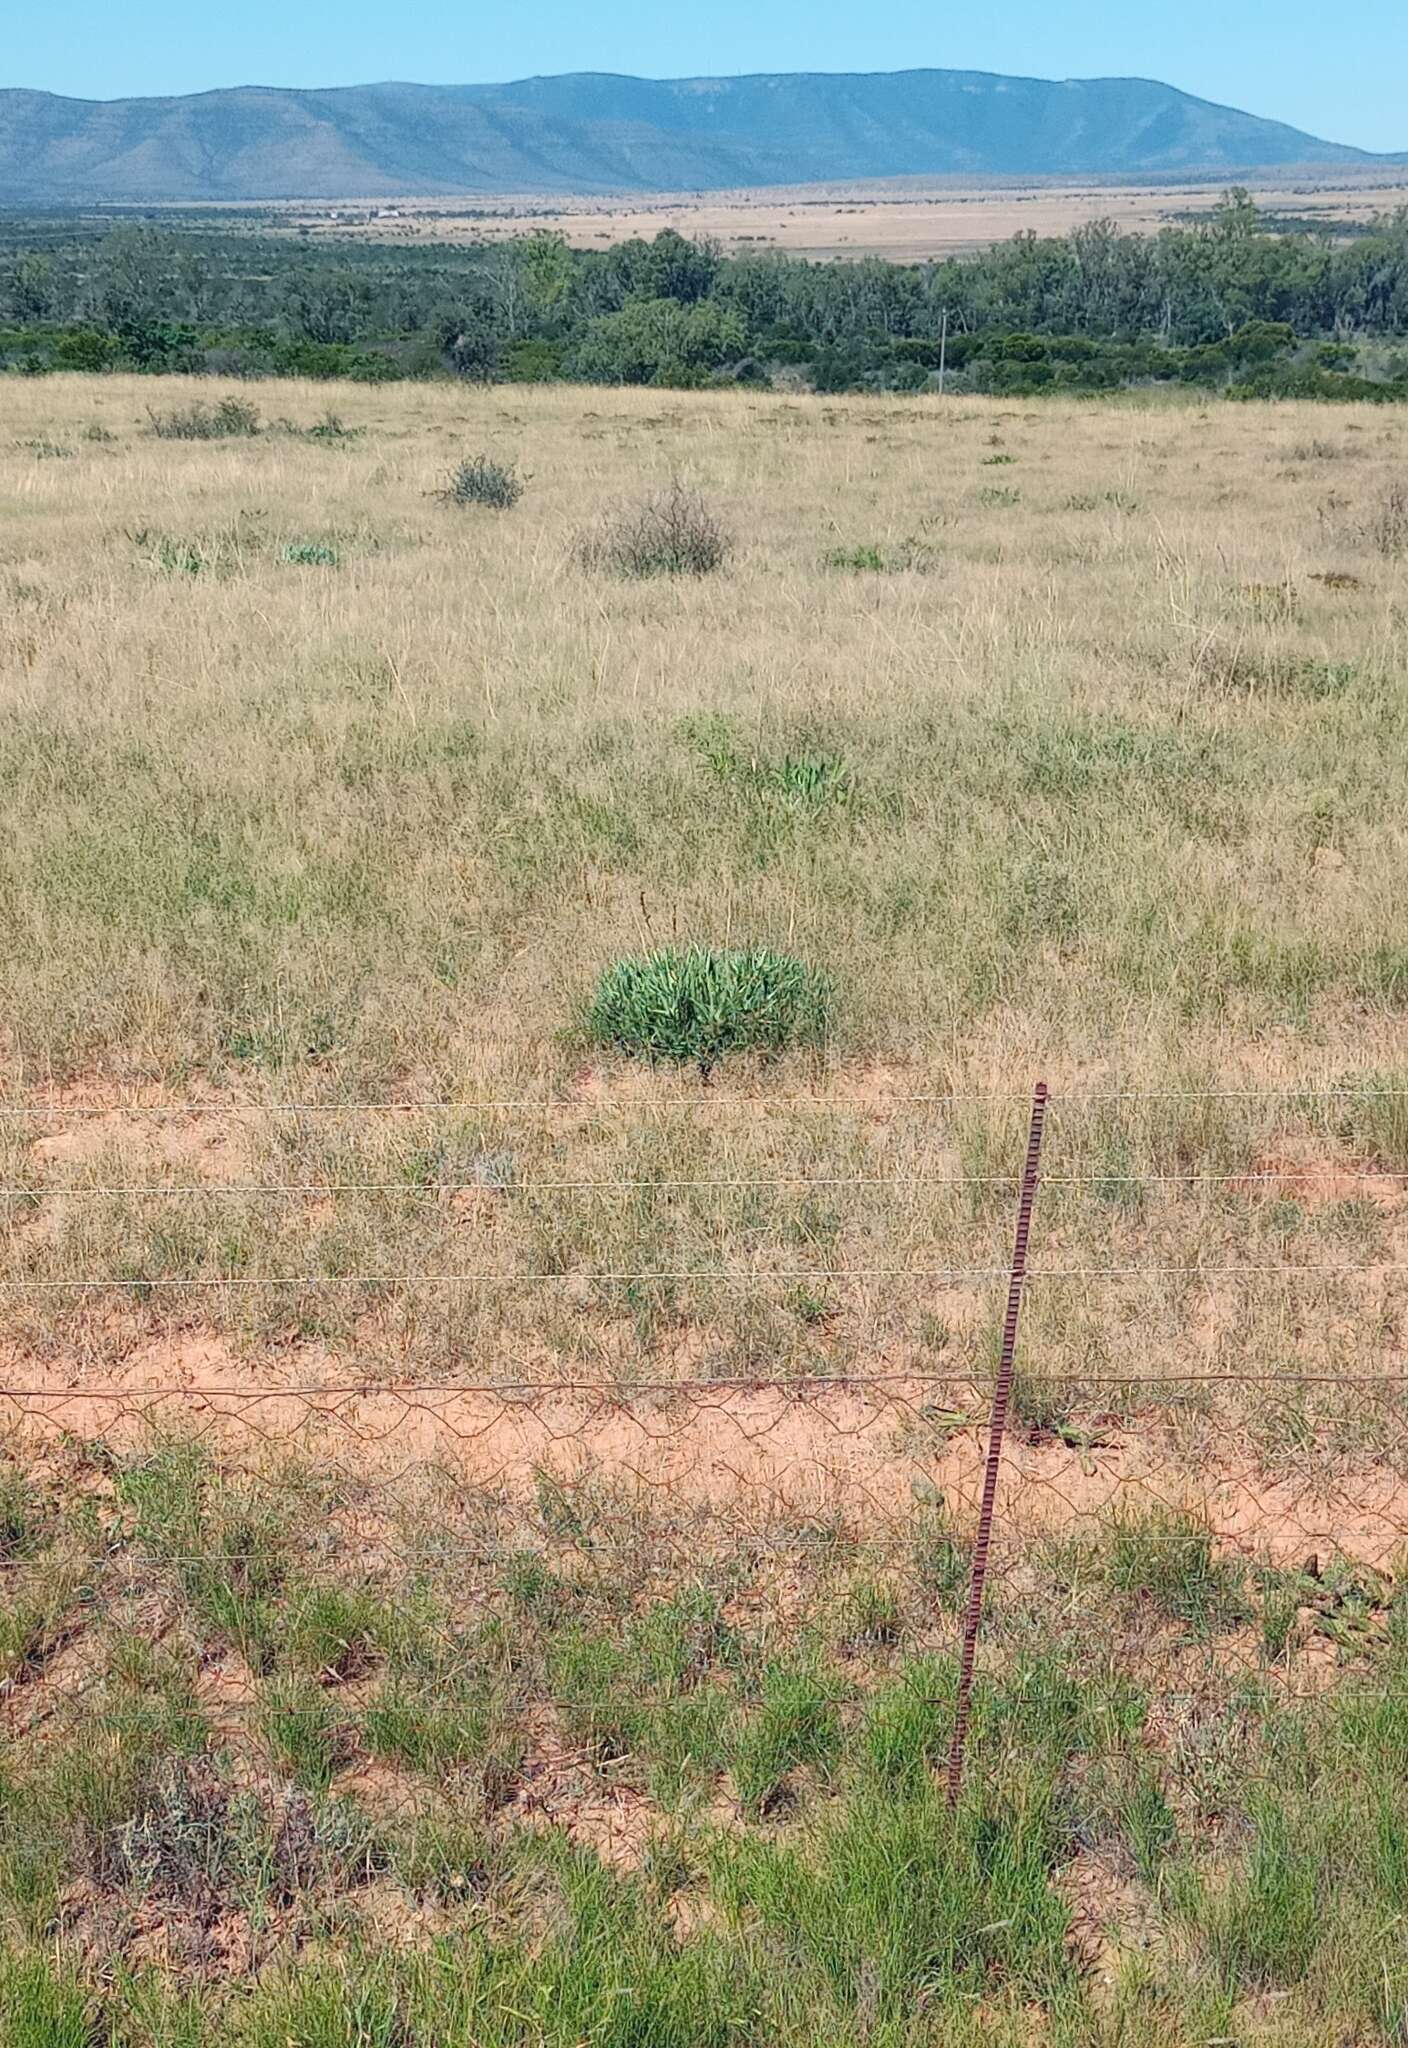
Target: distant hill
591	132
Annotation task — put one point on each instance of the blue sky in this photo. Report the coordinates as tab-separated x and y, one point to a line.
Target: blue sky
1338	71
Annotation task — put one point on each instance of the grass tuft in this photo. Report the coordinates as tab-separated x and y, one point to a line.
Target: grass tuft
697	1005
309	554
1167	1558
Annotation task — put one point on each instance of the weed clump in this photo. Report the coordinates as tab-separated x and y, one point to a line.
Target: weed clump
331	428
1167	1558
310	554
806	779
882	559
231	419
696	1004
479	480
670	533
1233	668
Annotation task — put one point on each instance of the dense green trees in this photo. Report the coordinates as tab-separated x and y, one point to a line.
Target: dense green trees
1218	301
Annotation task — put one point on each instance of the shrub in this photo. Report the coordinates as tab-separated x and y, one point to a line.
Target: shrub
698	1004
670	533
479	480
230	419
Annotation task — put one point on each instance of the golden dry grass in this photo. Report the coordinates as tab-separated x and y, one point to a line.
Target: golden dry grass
1119	799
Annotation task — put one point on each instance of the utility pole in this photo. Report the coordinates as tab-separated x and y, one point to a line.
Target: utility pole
943	351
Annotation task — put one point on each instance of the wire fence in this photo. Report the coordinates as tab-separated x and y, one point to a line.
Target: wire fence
504	1563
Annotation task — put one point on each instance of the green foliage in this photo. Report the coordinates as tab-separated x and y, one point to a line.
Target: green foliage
332	1632
671	533
41	2009
658	341
480	480
899	1904
432	1722
873	1613
531	362
698	1004
305	1733
1256	312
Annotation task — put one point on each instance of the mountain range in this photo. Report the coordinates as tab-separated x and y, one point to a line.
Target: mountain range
590	132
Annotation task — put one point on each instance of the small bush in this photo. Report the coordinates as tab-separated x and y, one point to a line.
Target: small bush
230	419
671	533
698	1004
479	480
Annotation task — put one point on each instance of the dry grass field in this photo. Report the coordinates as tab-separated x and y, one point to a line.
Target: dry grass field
904	220
483	1522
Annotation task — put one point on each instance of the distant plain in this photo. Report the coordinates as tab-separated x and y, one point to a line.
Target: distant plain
904	220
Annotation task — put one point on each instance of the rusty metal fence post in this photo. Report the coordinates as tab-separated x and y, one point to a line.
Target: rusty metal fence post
1002	1395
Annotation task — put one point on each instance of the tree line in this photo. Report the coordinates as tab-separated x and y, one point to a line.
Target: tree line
1223	301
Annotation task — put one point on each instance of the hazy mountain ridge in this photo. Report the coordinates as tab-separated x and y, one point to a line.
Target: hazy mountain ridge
597	132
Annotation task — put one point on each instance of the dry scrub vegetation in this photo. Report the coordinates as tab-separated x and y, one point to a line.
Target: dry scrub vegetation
1059	739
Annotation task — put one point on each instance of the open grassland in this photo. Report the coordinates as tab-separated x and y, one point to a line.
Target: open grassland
1067	740
906	220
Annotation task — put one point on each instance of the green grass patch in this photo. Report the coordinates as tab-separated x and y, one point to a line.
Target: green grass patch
697	1005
